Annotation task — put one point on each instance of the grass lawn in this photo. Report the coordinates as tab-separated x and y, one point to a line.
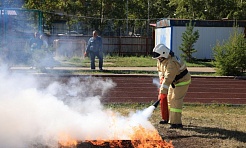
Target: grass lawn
117	61
206	126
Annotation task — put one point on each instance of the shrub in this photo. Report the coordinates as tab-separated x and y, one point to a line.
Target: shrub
230	56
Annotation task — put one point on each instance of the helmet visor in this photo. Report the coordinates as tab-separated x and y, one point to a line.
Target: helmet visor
155	55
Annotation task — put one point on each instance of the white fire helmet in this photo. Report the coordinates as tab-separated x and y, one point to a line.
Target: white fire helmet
160	50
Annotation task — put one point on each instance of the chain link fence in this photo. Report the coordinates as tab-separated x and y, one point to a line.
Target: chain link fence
68	24
17	26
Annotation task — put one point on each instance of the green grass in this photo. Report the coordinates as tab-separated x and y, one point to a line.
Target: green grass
201	64
116	61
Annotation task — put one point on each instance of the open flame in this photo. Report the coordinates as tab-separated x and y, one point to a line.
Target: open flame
131	134
32	115
140	138
66	141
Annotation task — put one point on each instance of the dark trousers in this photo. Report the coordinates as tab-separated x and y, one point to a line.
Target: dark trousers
99	56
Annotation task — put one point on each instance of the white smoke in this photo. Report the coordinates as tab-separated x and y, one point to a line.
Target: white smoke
156	81
34	115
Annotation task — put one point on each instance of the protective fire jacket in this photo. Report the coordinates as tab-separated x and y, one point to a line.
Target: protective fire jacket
175	73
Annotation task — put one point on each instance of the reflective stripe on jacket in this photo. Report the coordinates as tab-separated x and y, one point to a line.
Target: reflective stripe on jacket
176	110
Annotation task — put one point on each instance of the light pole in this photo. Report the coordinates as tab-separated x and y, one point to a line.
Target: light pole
148	21
127	17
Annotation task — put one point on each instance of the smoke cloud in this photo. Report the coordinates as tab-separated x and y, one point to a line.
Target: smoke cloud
156	82
31	115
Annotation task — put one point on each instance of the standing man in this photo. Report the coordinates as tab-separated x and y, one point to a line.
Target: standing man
175	80
44	41
35	42
94	48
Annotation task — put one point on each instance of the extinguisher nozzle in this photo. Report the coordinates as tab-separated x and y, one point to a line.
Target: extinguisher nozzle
156	103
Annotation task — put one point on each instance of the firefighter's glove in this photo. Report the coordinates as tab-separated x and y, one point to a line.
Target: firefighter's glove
162	96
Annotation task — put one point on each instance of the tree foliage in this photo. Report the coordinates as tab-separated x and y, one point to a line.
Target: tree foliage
230	56
209	9
115	15
189	38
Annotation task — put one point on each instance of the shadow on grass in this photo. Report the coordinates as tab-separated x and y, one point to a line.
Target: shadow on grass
219	132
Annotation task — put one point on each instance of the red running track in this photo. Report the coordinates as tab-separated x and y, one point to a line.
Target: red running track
202	90
140	88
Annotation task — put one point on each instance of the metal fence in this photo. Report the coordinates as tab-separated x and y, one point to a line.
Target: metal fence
58	22
17	26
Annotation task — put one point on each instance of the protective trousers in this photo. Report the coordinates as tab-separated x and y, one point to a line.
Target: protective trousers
175	99
164	109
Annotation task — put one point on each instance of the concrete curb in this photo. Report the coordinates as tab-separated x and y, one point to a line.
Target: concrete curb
191	69
122	71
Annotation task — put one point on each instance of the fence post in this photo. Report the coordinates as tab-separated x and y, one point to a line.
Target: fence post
147	46
119	46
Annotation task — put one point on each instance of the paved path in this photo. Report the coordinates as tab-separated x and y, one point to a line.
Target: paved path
191	69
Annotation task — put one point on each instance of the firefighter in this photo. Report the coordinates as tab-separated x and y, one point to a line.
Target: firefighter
175	79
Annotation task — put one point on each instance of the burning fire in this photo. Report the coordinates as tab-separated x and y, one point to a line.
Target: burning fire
143	138
133	134
67	141
140	138
49	117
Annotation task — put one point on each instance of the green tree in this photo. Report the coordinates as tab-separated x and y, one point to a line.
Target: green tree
208	9
132	15
47	6
230	56
189	38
